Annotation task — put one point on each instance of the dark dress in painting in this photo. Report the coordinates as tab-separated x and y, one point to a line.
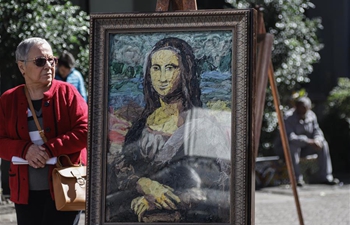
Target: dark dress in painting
193	161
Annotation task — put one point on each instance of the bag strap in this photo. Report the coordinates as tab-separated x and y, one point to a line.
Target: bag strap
59	164
41	132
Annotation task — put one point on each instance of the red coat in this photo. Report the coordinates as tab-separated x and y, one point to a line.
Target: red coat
65	122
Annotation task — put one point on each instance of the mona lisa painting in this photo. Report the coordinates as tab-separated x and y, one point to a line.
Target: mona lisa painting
169	106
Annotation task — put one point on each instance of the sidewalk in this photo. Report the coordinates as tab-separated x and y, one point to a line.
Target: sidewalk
320	205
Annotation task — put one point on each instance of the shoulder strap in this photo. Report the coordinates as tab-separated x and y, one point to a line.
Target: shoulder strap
41	132
60	165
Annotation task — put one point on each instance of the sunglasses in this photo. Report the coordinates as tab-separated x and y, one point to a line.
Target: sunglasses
41	61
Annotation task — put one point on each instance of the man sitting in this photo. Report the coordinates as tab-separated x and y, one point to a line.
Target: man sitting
306	138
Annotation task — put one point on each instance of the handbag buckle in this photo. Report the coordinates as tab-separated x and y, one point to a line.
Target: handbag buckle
80	180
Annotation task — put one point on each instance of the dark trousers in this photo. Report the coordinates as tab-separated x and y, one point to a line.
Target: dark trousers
41	210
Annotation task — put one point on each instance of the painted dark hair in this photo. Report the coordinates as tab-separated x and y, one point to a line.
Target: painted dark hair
188	90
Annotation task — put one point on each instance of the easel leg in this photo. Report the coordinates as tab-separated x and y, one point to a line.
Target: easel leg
285	144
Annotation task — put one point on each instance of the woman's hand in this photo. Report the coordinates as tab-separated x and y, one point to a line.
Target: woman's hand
140	205
36	156
160	194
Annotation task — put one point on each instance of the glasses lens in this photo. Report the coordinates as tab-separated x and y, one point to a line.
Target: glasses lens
41	61
52	61
55	60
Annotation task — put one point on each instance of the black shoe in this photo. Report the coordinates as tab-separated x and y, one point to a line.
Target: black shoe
335	181
300	183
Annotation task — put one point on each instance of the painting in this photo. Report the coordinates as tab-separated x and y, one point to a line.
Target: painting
170	117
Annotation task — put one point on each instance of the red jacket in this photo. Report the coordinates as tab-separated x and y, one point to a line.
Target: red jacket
65	122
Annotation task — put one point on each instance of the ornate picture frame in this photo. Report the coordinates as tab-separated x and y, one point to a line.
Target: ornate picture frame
170	117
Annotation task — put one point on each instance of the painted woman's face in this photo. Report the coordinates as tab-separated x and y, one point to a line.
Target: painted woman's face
165	71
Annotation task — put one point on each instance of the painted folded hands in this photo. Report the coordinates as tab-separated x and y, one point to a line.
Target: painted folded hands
155	196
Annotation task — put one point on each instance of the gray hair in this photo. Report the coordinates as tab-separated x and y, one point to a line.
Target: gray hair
305	101
24	47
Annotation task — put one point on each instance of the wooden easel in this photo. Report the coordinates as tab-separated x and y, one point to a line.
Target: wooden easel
264	72
258	122
164	5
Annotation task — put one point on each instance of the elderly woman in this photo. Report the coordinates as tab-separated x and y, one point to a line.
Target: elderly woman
62	114
155	153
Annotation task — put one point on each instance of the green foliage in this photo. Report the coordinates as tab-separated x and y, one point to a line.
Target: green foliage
62	24
336	124
339	99
296	47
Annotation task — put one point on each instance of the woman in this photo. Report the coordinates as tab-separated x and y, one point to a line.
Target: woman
62	113
155	148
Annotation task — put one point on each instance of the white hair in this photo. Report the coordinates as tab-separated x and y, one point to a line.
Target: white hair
24	47
305	101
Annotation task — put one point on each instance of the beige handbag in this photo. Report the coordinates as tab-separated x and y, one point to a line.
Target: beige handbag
69	186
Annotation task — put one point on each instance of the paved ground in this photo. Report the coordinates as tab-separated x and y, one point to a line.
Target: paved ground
320	205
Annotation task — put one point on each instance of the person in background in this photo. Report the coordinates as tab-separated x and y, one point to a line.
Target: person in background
67	72
306	138
63	116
